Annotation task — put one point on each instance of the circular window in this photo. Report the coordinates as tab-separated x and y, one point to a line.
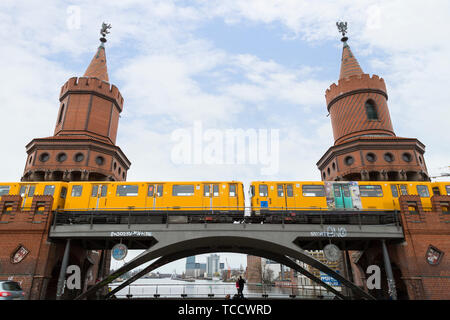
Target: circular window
389	157
349	160
324	175
407	157
333	166
44	157
328	171
115	166
61	157
100	160
123	175
371	157
31	158
79	157
420	159
120	170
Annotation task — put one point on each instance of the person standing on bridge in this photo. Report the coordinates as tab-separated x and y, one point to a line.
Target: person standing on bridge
241	283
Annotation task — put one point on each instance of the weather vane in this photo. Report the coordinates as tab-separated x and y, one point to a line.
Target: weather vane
342	27
104	31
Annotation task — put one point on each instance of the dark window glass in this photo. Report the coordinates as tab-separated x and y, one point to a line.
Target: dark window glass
371	157
151	190
63	192
232	190
100	160
61	157
436	191
403	190
44	157
104	191
79	157
183	190
77	190
289	190
394	190
313	191
127	190
337	191
280	190
206	190
49	190
448	190
407	157
159	190
263	191
371	110
346	190
371	191
349	160
423	191
252	191
388	157
11	286
215	190
4	190
31	191
94	191
61	112
23	190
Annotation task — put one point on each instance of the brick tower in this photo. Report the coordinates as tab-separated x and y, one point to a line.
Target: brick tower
365	145
82	147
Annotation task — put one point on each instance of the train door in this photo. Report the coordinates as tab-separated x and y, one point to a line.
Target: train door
155	198
233	197
399	190
211	196
98	196
262	196
342	196
27	193
285	192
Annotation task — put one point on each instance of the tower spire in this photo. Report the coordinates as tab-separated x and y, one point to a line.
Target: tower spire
97	68
349	64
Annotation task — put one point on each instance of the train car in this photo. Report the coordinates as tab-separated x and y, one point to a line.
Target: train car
299	196
217	199
27	190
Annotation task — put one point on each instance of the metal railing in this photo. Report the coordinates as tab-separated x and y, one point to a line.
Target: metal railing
296	215
222	290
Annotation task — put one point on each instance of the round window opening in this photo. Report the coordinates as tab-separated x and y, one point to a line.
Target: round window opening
44	157
420	159
61	157
371	157
115	165
349	160
389	157
79	157
100	160
407	157
31	158
324	175
328	171
333	166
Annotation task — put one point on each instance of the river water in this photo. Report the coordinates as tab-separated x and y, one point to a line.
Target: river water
170	288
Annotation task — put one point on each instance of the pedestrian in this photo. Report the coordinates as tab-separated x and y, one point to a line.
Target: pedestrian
241	283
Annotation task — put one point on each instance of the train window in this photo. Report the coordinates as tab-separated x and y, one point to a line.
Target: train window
159	190
423	191
263	192
77	190
346	190
289	191
216	190
183	190
436	191
22	191
4	190
63	192
206	190
252	191
104	190
448	190
337	191
313	191
280	190
127	190
394	190
151	190
232	190
94	191
370	191
49	190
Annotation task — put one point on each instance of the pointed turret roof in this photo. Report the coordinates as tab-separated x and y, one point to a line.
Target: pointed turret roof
97	68
349	64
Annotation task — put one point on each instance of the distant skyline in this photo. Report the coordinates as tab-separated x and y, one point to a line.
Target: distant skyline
230	65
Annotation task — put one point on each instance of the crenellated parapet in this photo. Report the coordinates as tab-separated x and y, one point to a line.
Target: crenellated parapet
355	84
92	85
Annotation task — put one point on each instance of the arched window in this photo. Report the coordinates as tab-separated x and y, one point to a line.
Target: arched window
371	110
61	114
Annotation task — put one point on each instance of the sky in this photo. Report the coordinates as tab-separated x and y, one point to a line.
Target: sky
222	65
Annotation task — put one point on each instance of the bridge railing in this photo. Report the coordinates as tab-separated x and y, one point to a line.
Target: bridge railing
167	216
221	290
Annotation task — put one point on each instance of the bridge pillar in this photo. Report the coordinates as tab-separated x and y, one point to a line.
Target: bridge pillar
62	272
390	277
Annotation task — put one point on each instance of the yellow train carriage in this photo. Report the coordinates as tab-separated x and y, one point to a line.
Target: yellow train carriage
27	190
182	197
